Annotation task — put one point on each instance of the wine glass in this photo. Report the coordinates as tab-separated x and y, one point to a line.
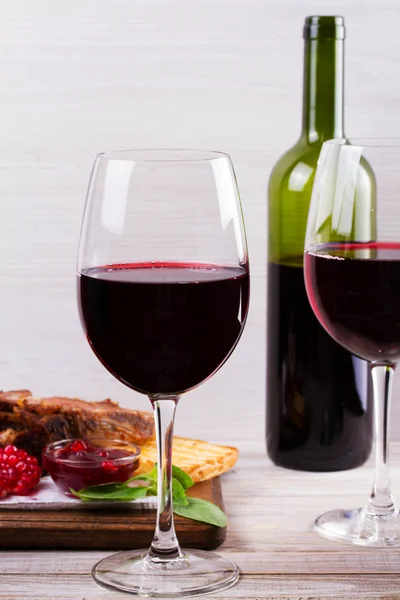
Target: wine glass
352	275
163	294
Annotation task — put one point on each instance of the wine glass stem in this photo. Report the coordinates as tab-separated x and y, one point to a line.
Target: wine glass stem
381	502
164	547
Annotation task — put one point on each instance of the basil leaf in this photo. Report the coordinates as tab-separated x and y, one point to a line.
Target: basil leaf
153	472
202	510
103	489
122	492
142	477
110	491
184	479
152	490
178	493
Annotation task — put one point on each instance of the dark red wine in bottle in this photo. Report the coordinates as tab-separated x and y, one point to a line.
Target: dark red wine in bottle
319	395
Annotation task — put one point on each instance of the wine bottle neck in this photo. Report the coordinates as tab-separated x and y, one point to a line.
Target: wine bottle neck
323	90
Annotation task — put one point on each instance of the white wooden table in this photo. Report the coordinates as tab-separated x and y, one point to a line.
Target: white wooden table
270	511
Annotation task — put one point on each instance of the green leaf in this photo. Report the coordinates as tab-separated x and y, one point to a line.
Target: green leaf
184	479
102	489
202	510
153	472
181	481
142	477
178	493
111	491
152	490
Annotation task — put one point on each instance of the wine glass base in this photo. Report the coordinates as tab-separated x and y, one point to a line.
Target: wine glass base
197	574
357	526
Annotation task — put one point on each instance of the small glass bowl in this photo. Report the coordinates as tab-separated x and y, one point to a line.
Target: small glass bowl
79	463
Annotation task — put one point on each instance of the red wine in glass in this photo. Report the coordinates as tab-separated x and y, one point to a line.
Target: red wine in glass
354	289
352	277
163	327
163	295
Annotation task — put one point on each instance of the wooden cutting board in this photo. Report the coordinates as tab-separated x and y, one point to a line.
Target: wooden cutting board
118	529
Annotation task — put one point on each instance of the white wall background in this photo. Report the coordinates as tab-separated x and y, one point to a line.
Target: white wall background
83	76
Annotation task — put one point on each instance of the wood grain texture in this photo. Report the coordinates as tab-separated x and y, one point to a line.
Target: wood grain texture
117	528
268	536
269	587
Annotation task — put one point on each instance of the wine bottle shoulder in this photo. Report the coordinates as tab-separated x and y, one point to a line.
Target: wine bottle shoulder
289	194
294	168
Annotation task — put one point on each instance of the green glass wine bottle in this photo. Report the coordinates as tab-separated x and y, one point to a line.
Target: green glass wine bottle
319	396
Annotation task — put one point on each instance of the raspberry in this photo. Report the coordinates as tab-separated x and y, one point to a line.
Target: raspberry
19	472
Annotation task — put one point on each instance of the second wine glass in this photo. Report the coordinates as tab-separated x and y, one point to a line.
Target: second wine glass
352	275
163	289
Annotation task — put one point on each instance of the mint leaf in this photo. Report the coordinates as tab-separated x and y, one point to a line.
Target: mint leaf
178	493
202	510
110	491
184	479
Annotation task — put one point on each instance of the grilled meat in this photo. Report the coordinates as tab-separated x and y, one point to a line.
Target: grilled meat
31	423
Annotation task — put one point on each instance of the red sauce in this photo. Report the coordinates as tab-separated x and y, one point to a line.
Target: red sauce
80	463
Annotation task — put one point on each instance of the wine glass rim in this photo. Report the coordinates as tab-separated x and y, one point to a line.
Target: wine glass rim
367	142
163	155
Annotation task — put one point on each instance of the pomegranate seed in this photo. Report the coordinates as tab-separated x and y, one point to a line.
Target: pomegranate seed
19	472
109	466
13	459
78	446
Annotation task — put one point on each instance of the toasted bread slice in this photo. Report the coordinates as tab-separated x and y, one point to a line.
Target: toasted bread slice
199	459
